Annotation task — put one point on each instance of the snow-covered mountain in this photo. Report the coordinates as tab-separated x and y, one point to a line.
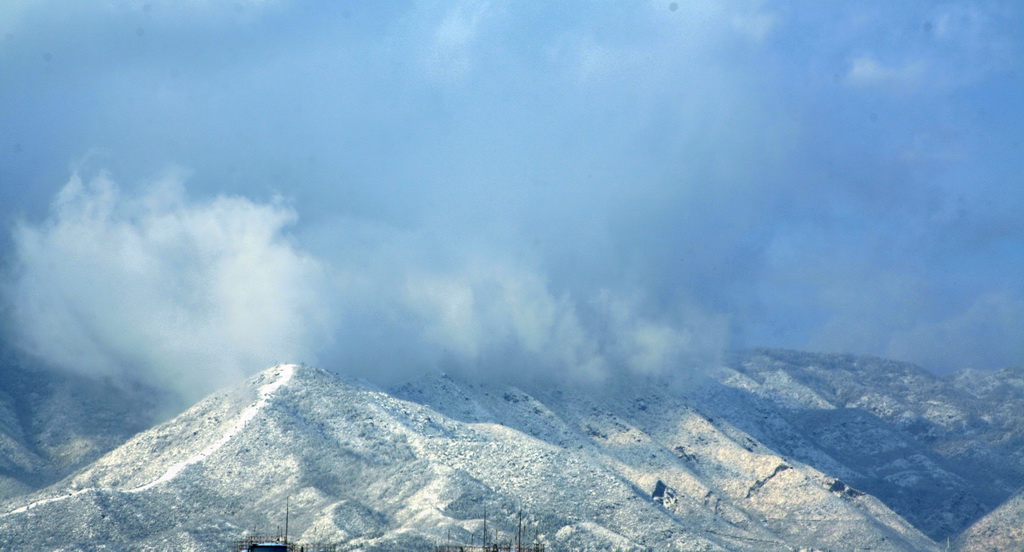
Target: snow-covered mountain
53	423
376	471
941	452
778	451
1002	529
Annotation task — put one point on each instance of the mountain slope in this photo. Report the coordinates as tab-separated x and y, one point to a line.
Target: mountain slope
654	440
1002	529
644	470
53	423
940	451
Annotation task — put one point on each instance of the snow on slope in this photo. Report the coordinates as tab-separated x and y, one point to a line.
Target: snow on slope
281	373
266	391
714	472
940	451
378	472
54	423
1002	529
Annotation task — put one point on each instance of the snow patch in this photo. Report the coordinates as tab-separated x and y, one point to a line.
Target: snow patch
46	501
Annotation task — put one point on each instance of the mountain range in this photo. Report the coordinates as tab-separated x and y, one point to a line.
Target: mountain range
772	450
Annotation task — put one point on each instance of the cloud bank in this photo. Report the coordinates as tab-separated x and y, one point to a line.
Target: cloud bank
192	295
188	295
512	188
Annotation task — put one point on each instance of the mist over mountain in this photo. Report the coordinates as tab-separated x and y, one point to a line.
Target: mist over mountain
53	423
504	190
574	212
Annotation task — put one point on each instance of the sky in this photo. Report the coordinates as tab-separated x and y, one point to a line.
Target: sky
195	190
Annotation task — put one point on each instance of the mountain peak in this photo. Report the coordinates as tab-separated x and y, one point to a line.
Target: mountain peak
776	452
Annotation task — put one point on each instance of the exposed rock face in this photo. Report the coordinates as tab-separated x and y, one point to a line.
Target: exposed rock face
375	471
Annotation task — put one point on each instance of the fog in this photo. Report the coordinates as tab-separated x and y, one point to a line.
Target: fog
196	190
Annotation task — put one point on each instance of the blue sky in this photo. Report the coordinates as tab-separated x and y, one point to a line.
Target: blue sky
197	188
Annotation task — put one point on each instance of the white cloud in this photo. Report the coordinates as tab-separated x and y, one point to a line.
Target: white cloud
652	347
488	313
193	295
492	313
450	54
183	294
623	146
866	71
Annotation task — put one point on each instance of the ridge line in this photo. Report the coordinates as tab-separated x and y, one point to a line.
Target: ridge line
266	391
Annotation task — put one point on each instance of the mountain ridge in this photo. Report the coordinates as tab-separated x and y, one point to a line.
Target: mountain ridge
389	472
761	455
53	423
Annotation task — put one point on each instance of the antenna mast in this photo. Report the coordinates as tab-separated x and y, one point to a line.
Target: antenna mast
519	531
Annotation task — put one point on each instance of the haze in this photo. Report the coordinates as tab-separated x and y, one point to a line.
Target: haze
193	191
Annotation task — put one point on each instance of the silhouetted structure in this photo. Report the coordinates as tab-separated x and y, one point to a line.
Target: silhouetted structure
508	547
263	543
